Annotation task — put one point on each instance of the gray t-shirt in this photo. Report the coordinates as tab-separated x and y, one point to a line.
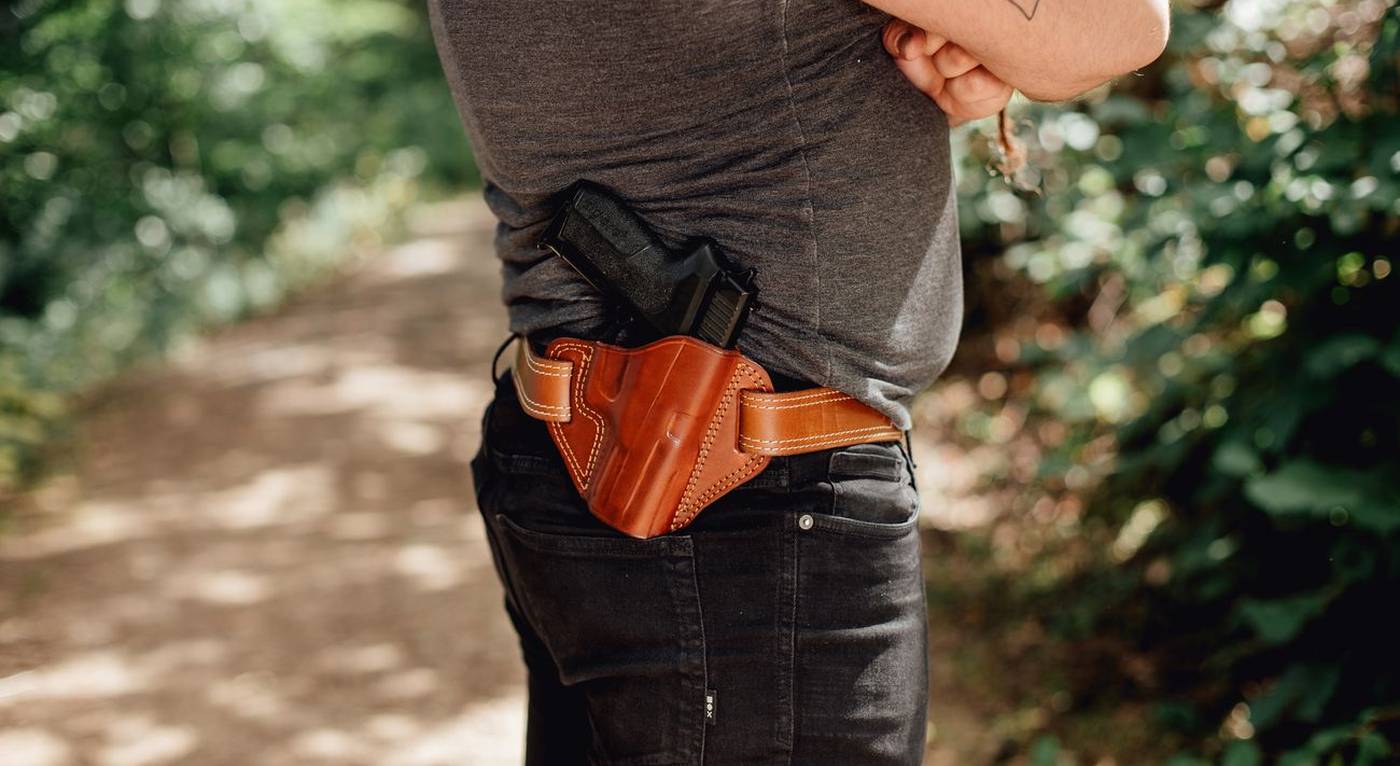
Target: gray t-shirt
780	128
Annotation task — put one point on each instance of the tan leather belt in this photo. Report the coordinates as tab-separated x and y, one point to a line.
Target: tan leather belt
653	435
770	423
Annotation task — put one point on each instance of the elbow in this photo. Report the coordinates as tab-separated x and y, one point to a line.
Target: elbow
1152	30
1141	40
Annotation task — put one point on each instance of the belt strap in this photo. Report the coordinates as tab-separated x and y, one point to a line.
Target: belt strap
784	423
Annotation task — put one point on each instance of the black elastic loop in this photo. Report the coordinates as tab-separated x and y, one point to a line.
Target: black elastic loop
497	357
909	453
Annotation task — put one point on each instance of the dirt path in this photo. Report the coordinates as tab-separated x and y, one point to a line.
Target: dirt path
267	551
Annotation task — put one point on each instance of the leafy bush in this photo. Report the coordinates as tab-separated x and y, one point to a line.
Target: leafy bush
152	149
1218	237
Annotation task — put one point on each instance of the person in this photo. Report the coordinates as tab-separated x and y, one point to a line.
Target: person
809	139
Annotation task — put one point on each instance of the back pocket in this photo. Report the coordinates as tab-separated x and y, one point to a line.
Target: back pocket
621	618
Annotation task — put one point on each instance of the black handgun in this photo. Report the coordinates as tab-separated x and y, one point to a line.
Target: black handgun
696	292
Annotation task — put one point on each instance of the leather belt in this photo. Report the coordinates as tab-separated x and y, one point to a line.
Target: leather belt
770	423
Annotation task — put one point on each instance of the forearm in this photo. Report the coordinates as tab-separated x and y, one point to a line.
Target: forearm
1051	50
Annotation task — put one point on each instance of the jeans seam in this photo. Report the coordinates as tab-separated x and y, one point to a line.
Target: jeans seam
787	638
686	601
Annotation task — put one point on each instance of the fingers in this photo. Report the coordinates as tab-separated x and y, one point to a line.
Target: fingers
922	74
904	41
895	34
972	96
979	87
952	61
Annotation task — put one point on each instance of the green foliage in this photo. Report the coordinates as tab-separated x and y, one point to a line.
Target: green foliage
165	164
1045	752
1218	235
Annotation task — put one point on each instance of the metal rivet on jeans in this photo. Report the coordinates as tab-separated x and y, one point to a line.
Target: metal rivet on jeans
806	521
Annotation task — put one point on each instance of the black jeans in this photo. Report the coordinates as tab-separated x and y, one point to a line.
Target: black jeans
786	625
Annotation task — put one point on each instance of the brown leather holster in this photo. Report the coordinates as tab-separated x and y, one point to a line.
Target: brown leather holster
652	435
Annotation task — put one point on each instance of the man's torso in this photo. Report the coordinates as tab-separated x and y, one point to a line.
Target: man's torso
779	129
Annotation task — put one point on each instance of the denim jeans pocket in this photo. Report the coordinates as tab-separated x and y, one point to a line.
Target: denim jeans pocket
861	618
621	619
871	492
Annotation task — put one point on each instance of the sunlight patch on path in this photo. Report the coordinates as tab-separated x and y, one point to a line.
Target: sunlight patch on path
487	734
105	673
33	746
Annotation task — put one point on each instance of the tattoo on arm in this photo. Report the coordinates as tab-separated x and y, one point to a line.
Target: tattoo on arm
1026	7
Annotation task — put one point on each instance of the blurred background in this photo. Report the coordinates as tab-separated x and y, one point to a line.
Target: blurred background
247	305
